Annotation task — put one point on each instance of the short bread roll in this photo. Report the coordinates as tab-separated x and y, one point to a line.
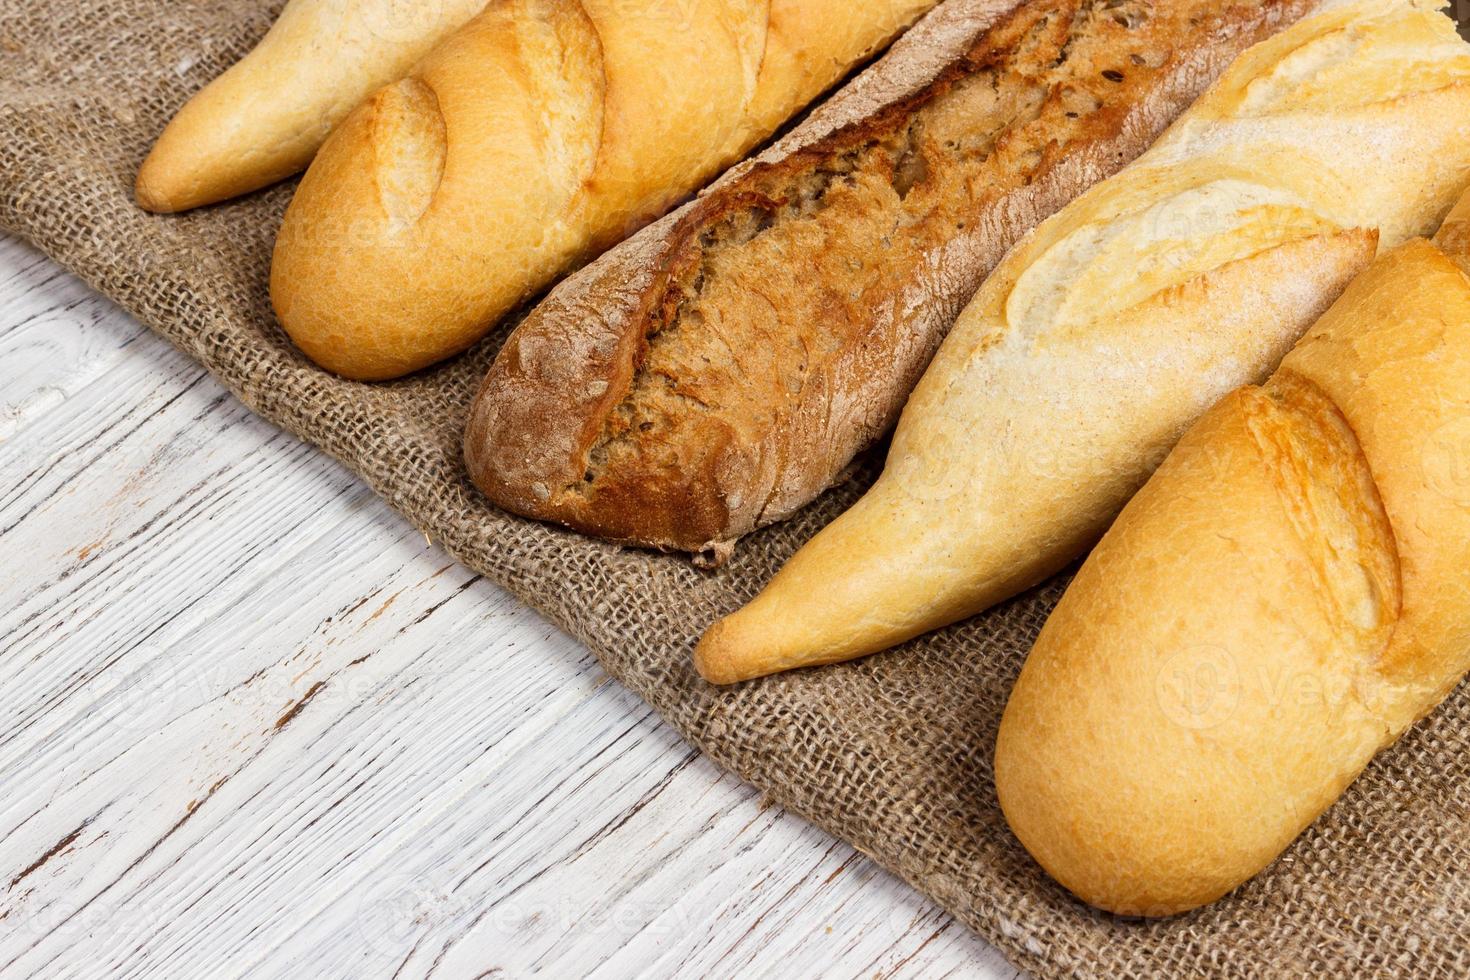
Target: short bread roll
262	120
540	133
1281	601
1113	326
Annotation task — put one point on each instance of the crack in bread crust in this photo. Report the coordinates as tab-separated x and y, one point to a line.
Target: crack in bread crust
1332	503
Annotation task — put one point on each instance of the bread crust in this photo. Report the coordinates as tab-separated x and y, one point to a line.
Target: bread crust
1115	324
722	368
1280	602
264	118
536	136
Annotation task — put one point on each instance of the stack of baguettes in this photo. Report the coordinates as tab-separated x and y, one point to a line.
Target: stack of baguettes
475	154
1120	320
723	367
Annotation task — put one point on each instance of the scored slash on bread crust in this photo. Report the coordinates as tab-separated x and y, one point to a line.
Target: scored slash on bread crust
264	118
724	367
1281	601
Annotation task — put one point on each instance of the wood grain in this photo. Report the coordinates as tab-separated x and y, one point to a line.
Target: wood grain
254	724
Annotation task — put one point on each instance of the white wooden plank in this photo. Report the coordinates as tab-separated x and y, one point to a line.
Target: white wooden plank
254	724
49	348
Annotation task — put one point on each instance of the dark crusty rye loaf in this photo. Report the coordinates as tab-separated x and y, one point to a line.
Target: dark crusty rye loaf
723	367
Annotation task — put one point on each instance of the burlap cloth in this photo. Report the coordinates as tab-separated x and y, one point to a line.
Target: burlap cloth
891	753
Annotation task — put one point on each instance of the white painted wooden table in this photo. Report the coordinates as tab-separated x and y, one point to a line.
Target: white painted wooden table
251	723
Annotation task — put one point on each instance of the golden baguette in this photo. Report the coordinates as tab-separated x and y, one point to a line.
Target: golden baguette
264	118
1280	602
537	135
1114	325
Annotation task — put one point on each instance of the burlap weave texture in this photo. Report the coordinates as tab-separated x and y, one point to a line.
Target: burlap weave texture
891	753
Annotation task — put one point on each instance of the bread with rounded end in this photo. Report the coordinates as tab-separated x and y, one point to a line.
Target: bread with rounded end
1279	602
264	118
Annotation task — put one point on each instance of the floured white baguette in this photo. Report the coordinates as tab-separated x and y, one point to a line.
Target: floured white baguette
1282	599
264	118
1121	319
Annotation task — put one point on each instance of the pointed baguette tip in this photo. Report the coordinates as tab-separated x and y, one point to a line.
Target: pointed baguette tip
717	659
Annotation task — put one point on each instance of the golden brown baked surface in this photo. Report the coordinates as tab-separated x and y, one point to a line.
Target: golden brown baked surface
1120	320
1282	599
264	118
722	370
536	136
1454	235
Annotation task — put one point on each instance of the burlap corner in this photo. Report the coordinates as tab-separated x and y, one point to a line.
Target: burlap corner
892	753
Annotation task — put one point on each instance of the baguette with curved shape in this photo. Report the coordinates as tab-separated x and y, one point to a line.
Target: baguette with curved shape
719	370
1105	333
540	133
1279	603
264	118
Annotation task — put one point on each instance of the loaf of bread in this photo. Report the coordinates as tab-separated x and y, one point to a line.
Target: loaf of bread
264	119
722	368
1279	602
1104	333
539	134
